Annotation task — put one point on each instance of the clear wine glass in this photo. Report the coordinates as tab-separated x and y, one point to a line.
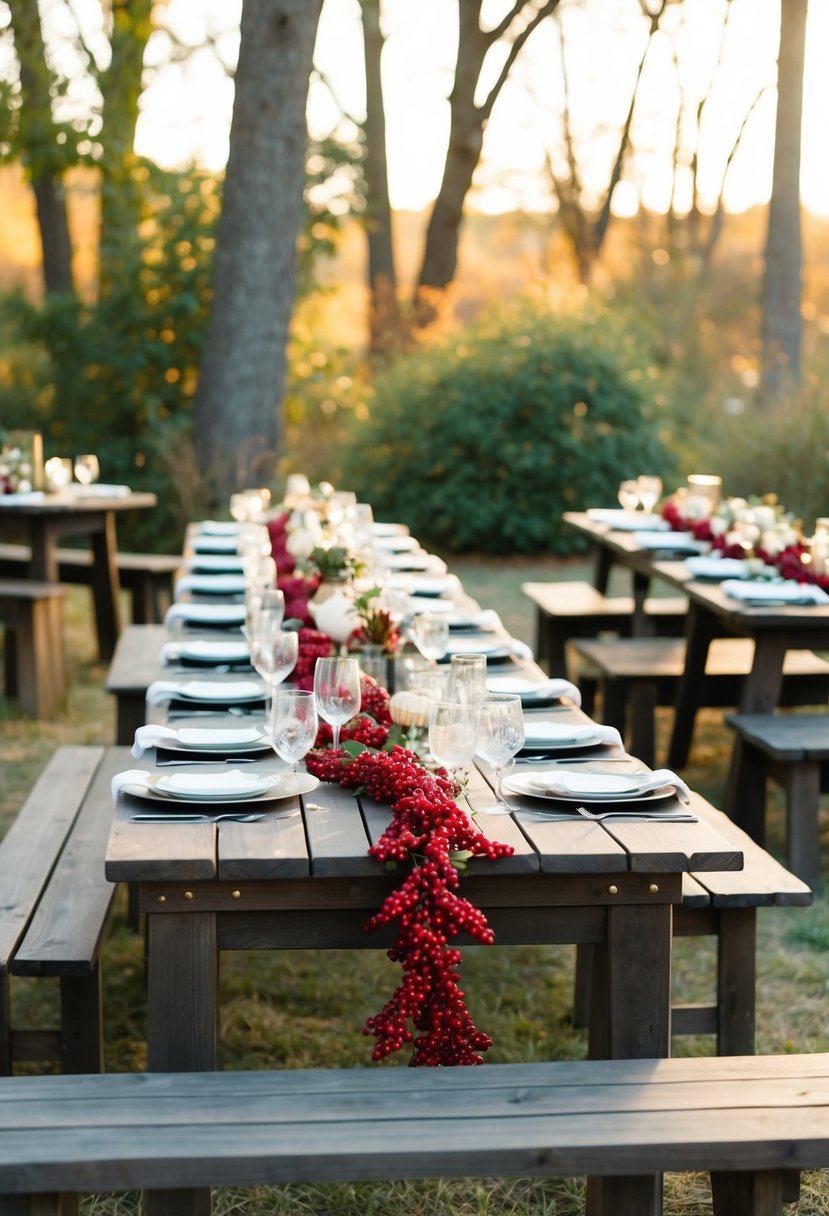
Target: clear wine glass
650	491
274	656
293	725
453	734
337	691
87	469
467	679
629	494
430	634
500	736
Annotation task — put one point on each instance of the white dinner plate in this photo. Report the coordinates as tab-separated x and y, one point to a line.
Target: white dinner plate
582	787
626	521
549	736
214	787
476	645
394	543
422	584
225	740
218	527
716	569
209	614
289	787
214	584
214	544
215	563
215	652
224	690
424	603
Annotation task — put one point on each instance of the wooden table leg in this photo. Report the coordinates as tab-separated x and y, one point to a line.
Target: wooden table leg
641	626
736	981
761	695
182	979
44	542
106	586
602	563
630	1018
700	631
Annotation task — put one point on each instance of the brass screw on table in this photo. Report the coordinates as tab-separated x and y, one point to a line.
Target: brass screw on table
235	894
189	895
653	888
613	889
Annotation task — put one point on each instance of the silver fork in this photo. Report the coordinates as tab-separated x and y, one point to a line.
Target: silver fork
218	760
582	811
173	817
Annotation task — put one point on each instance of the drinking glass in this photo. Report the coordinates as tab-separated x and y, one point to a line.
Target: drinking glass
337	692
467	679
650	491
430	634
58	471
274	655
87	469
500	736
293	725
629	494
453	734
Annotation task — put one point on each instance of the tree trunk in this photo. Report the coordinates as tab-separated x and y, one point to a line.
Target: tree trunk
238	400
39	148
121	89
783	274
384	321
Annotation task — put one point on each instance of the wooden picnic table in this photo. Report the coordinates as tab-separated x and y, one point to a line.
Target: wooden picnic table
711	613
41	522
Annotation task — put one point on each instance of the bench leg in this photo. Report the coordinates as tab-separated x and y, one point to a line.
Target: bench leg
745	801
802	786
736	981
81	1021
643	721
747	1194
5	1028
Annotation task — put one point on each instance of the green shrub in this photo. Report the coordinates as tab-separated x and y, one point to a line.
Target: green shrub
480	443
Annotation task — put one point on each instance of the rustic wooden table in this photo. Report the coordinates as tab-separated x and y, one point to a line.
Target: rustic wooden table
711	613
41	523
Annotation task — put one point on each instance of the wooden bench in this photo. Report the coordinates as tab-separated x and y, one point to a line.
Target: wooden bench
56	903
723	906
753	1122
637	674
35	662
576	610
148	577
793	750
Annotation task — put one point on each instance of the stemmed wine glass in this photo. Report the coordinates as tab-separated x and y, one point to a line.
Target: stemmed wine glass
293	725
430	634
274	655
500	736
467	679
337	692
87	469
453	734
650	489
629	494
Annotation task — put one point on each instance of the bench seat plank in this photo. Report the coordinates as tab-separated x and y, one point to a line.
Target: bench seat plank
118	1132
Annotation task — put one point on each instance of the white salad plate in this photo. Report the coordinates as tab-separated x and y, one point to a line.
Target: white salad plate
582	787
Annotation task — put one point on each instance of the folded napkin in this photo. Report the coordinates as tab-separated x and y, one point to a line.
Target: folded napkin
198	738
231	783
760	593
99	489
582	784
383	529
395	543
541	734
217	527
626	521
160	692
21	497
718	568
205	652
210	584
205	614
427	563
214	544
534	689
672	542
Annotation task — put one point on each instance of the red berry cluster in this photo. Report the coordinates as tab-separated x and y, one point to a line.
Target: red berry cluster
361	729
427	825
313	644
374	700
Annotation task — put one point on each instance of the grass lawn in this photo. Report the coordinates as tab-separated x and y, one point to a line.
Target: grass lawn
306	1009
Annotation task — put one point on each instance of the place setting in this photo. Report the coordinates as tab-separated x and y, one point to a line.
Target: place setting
188	696
186	614
598	796
209	796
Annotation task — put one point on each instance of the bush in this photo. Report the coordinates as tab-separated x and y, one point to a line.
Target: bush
480	443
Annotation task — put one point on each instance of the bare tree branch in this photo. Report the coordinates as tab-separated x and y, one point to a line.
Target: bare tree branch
548	7
501	28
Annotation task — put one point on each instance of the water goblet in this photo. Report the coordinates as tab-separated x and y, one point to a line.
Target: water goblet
453	734
337	691
293	725
274	655
430	634
87	469
650	490
467	679
629	494
500	736
58	472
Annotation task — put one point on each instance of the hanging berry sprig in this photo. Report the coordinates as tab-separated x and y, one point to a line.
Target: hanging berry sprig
428	828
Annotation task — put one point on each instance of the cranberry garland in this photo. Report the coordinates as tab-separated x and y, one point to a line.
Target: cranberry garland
428	826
